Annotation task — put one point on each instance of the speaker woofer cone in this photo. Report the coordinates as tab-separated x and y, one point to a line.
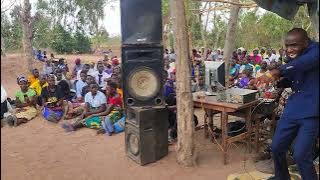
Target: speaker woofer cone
143	83
133	144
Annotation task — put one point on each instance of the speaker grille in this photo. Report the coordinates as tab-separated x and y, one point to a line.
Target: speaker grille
133	144
143	83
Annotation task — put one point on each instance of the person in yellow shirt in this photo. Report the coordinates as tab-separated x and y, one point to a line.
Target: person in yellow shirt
120	92
34	76
38	85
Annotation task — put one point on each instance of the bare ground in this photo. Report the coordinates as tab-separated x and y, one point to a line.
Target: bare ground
40	150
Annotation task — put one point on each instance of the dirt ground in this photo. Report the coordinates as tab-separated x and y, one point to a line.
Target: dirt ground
40	150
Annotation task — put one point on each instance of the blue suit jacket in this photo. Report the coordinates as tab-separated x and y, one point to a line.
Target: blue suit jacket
303	72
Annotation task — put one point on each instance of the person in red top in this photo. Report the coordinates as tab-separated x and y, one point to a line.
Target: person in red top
256	57
114	102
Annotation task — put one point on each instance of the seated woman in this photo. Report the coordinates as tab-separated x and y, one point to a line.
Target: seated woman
243	81
112	123
75	107
34	76
95	107
37	86
234	71
25	104
52	99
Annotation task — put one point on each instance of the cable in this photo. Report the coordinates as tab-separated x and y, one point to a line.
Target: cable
244	126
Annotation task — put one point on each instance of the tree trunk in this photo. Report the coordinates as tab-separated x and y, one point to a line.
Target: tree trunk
216	42
204	27
3	48
165	27
229	44
27	33
190	41
186	154
315	23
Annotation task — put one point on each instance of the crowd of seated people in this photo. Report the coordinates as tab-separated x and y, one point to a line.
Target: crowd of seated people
245	70
88	96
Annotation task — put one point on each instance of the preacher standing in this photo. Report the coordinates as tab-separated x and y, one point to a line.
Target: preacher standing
300	119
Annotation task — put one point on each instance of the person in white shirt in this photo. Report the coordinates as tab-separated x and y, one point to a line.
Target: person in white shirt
272	56
81	83
4	95
101	77
172	55
95	108
86	67
96	100
48	67
5	105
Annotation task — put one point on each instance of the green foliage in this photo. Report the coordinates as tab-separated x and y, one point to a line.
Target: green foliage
194	22
82	43
11	29
165	7
101	37
217	35
61	40
41	31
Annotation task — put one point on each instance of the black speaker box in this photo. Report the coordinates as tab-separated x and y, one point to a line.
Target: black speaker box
142	75
146	134
141	21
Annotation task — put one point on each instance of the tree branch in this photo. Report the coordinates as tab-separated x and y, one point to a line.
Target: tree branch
221	8
228	2
5	9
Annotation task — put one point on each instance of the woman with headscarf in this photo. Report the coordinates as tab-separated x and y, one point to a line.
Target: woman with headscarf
116	70
77	67
25	104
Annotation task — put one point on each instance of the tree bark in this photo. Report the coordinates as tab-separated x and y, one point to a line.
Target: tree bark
27	33
229	44
186	154
3	48
165	27
315	23
204	27
190	41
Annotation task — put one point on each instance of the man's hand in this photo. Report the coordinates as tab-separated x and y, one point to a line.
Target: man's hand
269	77
275	74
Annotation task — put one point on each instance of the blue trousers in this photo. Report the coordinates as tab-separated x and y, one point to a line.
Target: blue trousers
305	132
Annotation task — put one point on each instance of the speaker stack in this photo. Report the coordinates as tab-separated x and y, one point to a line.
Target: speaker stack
146	128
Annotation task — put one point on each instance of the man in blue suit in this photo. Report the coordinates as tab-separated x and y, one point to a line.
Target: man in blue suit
300	119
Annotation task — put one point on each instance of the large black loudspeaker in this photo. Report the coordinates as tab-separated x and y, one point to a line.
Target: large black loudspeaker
141	21
146	134
142	69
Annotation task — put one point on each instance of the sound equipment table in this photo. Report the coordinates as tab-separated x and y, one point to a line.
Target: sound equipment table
212	106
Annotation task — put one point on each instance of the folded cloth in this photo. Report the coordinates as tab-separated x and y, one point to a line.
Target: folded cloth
93	122
52	115
27	113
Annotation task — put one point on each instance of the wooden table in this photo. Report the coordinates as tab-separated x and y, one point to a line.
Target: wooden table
212	106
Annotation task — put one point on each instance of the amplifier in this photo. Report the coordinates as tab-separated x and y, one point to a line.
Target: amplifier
237	95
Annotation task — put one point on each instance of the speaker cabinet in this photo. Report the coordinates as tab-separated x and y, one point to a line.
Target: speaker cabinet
142	75
141	21
146	134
